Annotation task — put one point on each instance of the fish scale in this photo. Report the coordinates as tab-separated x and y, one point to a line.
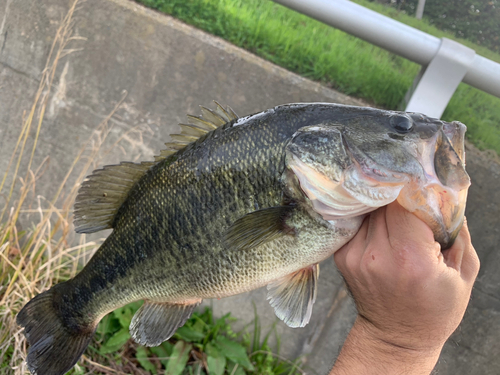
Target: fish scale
255	176
254	201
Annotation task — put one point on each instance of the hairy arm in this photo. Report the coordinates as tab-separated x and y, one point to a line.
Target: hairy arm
410	295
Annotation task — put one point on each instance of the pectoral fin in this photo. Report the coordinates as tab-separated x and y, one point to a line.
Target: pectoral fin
293	296
258	227
156	322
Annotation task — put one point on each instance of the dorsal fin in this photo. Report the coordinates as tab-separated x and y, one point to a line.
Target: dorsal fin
104	191
198	126
102	194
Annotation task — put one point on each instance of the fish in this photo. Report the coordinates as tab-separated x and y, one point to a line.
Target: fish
236	203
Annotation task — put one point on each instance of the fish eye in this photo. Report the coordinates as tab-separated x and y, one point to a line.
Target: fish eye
402	124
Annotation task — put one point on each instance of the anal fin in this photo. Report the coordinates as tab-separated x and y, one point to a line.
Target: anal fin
293	296
156	322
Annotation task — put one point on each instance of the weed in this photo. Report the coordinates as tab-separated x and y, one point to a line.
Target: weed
204	345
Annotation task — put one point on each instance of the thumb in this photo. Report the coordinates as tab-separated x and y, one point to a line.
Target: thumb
407	232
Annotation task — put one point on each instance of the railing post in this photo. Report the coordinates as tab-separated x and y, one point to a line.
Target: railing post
436	83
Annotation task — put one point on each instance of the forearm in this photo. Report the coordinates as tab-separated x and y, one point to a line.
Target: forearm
362	354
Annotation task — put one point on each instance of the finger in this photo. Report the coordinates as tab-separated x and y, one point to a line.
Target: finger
377	227
408	232
453	256
349	255
470	261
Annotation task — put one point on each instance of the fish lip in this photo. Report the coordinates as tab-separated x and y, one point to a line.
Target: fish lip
439	198
452	236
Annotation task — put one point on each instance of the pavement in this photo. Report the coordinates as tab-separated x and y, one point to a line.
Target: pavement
159	69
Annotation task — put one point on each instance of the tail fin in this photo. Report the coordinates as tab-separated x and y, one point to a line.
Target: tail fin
54	346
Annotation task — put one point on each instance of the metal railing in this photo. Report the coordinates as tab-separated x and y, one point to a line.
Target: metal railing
445	63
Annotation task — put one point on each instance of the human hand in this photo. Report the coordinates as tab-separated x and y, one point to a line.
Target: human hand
408	293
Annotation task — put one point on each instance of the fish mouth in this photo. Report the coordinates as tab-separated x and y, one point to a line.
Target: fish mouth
439	197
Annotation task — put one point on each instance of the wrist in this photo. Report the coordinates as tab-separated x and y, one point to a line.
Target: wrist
364	352
398	340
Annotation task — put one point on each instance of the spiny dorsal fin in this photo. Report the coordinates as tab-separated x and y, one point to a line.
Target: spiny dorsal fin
198	126
103	193
105	190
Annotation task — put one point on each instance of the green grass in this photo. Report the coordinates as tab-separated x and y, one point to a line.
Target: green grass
204	345
336	59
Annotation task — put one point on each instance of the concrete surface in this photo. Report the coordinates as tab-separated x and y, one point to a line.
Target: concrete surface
167	69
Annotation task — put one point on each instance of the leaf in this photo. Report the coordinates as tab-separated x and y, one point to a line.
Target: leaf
199	326
77	370
231	369
115	342
215	359
161	353
125	313
124	316
142	357
179	358
188	334
113	324
206	316
168	346
235	352
103	326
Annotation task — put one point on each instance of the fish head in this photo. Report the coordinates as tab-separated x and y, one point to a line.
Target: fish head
351	167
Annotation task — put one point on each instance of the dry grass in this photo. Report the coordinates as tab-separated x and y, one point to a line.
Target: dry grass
31	261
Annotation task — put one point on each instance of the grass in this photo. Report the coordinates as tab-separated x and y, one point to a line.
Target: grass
336	59
204	345
34	259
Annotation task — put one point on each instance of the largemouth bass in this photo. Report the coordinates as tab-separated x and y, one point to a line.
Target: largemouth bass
234	204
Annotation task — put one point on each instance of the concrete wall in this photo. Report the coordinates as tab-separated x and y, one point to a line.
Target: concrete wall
167	69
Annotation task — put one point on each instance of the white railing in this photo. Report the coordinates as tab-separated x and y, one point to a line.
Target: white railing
445	63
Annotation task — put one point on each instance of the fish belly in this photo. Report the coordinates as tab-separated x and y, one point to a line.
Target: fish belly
107	282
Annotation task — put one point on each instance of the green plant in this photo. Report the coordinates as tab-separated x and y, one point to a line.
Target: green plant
204	345
475	20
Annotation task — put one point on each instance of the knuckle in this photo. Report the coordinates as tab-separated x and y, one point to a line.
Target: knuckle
475	261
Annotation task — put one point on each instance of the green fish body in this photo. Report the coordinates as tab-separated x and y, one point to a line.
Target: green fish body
238	203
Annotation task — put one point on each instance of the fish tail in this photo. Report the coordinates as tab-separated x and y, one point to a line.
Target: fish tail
56	342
